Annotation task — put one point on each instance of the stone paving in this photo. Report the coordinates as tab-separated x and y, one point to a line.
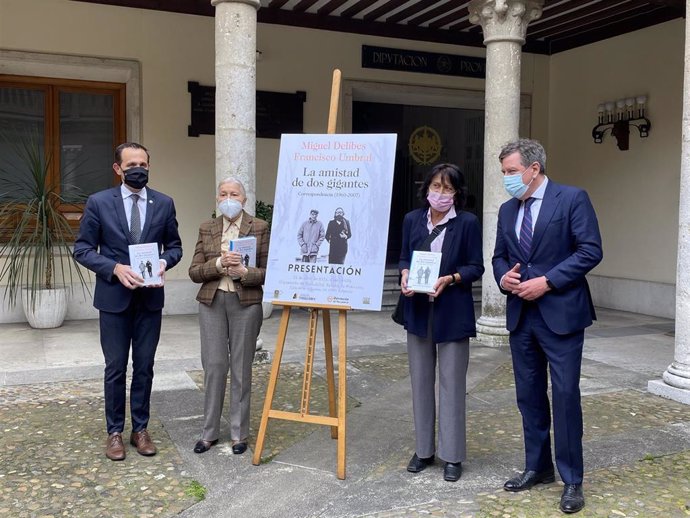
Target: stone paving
637	450
52	462
280	434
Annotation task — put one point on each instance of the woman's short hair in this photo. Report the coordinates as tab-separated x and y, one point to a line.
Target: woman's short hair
232	179
450	174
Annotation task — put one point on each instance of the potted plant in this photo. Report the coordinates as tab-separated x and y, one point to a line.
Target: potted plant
35	235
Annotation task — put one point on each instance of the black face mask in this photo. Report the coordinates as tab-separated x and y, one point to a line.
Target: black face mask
136	177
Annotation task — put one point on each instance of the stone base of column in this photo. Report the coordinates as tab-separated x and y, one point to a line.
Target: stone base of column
491	331
663	389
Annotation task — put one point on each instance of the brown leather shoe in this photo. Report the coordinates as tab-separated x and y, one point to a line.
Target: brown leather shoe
114	449
144	444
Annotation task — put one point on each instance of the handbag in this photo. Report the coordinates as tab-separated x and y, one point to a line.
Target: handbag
398	314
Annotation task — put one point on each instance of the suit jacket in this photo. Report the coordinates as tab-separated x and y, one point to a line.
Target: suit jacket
207	250
103	242
566	245
462	253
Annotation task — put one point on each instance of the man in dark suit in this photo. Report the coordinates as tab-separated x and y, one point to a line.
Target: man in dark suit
129	314
547	240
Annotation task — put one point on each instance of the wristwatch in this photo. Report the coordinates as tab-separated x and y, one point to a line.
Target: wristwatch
550	284
453	281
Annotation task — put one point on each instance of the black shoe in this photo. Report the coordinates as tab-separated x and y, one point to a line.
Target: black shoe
452	471
202	446
528	479
572	499
239	448
416	464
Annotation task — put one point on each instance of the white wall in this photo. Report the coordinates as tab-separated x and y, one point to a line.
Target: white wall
635	192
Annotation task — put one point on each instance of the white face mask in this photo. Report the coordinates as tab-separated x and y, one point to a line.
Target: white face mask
230	208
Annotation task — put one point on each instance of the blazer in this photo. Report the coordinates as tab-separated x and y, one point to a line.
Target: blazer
453	314
103	240
203	268
566	245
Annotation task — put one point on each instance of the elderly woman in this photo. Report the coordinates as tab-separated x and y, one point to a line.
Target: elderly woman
230	313
439	325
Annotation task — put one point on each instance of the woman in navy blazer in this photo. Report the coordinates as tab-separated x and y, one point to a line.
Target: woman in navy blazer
439	325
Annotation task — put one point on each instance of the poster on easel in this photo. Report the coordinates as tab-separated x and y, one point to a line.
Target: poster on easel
330	220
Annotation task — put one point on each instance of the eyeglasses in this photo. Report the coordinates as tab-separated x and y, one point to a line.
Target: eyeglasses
437	187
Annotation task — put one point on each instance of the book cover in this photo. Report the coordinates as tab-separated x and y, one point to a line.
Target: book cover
424	269
144	260
245	246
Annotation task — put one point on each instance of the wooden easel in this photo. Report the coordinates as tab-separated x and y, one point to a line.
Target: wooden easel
336	417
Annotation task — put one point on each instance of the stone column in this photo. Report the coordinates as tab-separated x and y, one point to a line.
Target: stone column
236	93
676	378
504	23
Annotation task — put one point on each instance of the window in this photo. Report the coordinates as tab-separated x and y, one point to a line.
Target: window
75	123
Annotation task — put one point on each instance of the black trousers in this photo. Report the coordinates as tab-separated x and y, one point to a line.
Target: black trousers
138	328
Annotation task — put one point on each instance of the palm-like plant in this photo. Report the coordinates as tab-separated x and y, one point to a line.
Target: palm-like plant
35	236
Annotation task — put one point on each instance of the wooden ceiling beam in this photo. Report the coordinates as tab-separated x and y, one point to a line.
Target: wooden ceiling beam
303	5
411	10
381	11
329	7
602	17
579	39
453	5
357	8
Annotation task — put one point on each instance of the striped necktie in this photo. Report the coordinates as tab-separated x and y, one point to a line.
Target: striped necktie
135	220
526	229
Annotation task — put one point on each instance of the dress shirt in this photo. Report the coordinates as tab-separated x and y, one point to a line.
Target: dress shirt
231	230
437	244
127	200
538	196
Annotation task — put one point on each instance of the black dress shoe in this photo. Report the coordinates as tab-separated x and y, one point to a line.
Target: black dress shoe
572	499
452	471
239	448
528	479
202	446
417	464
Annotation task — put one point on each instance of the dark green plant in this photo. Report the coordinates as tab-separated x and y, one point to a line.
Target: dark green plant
35	236
264	211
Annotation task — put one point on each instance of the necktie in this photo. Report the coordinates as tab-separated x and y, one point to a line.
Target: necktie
526	229
135	221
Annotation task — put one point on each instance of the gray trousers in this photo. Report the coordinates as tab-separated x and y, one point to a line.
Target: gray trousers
228	341
453	359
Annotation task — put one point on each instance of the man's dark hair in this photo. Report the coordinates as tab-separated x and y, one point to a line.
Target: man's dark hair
125	145
451	174
530	151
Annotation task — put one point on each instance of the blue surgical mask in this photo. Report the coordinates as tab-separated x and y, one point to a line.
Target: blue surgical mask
514	186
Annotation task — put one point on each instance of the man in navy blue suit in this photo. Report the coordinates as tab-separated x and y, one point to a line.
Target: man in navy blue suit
130	314
547	240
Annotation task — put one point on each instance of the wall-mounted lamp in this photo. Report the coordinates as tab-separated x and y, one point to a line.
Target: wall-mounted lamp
618	117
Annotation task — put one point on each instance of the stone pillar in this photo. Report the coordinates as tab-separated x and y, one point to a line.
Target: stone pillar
236	93
504	23
676	378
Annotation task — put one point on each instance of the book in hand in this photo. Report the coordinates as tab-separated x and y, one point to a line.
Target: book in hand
144	260
423	271
246	246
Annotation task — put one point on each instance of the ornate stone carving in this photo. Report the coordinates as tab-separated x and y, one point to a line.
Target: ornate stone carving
505	20
254	3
